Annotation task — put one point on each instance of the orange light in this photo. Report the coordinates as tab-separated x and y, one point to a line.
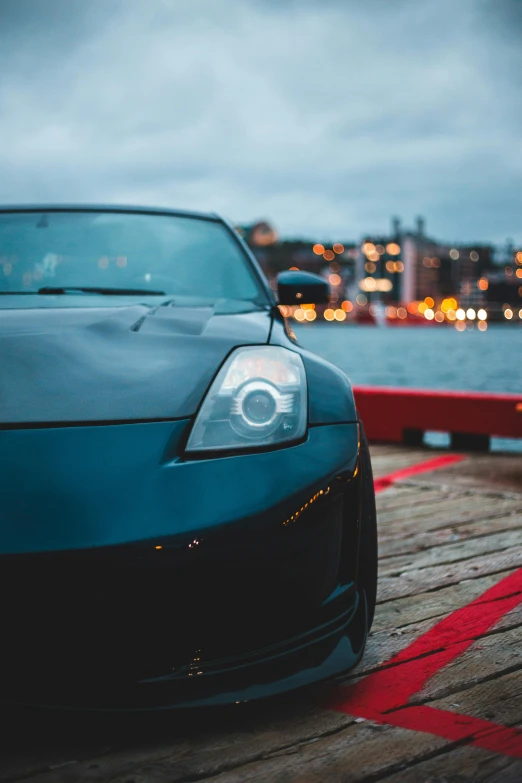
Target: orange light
299	314
422	307
338	248
412	307
310	315
519	272
370	267
347	306
328	255
368	284
390	266
368	247
393	249
329	314
518	257
483	284
334	279
294	269
401	312
340	315
158	547
318	250
429	301
399	266
439	317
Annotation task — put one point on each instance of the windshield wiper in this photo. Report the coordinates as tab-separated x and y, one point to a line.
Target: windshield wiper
99	290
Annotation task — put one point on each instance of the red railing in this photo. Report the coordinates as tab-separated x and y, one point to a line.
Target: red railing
403	415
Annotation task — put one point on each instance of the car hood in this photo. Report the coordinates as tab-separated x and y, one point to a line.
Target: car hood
129	362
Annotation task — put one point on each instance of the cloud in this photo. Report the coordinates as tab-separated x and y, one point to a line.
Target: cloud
324	116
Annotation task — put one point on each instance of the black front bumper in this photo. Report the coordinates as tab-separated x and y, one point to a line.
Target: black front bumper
225	614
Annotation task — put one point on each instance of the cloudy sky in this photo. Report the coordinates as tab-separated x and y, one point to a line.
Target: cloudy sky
323	116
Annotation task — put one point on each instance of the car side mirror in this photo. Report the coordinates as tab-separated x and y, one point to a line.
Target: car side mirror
295	288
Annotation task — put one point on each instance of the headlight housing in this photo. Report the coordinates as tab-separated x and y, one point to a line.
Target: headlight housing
258	398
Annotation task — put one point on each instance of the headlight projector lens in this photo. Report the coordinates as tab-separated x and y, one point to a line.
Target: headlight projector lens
258	407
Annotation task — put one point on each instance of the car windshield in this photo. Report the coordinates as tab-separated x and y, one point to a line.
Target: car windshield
61	252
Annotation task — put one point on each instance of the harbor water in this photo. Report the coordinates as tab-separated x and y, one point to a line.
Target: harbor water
424	358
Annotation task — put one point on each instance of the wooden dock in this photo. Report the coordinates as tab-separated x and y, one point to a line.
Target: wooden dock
437	699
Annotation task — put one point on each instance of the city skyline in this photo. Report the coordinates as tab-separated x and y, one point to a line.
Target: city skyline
499	250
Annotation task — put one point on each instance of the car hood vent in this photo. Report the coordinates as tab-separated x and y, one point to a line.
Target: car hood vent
73	365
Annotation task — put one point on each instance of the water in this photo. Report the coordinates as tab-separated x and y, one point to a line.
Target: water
427	358
422	358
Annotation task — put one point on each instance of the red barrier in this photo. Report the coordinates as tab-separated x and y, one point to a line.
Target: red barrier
397	415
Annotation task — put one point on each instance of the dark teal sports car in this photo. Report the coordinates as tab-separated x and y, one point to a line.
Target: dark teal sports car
187	513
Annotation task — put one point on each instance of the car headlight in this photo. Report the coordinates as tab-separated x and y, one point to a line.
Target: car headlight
258	398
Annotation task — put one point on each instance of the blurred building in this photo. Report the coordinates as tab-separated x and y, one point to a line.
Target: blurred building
409	266
334	261
406	273
503	285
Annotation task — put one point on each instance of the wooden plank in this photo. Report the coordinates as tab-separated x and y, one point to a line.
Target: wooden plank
479	472
461	765
400	497
398	526
448	508
422	580
421	541
453	552
423	606
384	644
486	660
359	752
497	699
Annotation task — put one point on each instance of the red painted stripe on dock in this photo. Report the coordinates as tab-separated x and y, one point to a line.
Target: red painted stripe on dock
383	696
413	470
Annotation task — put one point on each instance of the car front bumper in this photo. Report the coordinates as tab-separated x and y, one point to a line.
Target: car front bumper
145	581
